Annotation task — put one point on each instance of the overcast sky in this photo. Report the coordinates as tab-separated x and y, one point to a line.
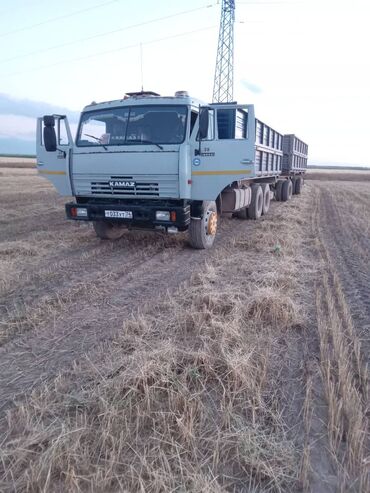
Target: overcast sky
303	63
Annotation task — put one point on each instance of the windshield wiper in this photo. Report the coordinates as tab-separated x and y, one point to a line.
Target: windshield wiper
149	142
98	139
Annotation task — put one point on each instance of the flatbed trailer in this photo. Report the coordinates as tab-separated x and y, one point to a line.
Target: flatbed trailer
166	163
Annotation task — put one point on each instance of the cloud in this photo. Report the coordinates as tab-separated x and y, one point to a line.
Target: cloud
250	86
32	109
18	120
22	127
17	126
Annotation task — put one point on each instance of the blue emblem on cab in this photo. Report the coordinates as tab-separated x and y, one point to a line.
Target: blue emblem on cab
196	161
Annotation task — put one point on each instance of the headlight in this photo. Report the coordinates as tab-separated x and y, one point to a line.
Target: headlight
81	212
162	215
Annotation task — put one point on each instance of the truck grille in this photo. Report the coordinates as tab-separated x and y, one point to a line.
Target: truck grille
148	186
141	188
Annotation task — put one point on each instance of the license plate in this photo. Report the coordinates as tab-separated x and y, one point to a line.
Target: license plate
119	214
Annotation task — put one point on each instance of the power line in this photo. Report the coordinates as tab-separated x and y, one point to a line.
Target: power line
15	8
53	19
107	33
93	55
270	3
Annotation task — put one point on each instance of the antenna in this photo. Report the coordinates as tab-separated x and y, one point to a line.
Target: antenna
223	88
141	67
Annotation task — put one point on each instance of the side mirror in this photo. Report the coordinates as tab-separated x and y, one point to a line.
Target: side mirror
50	138
203	123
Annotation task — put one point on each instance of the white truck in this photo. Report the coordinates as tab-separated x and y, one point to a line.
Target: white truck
167	163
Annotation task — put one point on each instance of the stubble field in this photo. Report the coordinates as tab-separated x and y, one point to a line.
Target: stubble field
143	365
17	162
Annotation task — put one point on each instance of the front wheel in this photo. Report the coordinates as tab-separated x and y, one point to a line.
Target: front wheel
108	231
202	230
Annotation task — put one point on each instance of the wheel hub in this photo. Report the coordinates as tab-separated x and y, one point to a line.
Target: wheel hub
212	223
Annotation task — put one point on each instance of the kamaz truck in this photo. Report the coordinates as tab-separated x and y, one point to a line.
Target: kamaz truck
168	164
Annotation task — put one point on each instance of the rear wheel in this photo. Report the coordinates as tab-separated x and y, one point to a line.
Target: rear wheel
266	198
287	190
278	190
202	231
256	205
242	214
108	231
298	185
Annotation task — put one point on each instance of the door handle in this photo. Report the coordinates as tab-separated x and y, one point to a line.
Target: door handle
246	161
61	154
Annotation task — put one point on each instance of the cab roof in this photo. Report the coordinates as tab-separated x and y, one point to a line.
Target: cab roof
145	98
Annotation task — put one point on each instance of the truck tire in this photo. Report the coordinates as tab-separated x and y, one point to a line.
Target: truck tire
108	231
266	198
202	231
256	205
278	190
287	190
242	214
298	185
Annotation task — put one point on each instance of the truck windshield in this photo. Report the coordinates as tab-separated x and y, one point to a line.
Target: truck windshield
145	125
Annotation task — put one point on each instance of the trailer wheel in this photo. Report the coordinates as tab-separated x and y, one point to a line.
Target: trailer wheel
256	205
298	185
242	214
287	190
278	190
202	231
108	231
266	198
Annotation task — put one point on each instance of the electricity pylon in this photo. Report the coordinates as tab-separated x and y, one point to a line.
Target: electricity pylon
223	88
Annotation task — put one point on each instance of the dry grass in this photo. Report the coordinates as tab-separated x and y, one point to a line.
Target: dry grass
191	411
345	381
214	388
17	162
338	175
42	255
190	397
344	374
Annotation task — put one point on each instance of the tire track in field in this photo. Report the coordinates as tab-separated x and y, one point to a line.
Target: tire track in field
340	310
96	317
349	247
85	261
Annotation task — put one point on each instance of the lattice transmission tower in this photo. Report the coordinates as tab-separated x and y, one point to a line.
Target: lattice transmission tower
223	88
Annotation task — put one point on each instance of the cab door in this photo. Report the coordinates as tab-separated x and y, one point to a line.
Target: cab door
225	152
54	151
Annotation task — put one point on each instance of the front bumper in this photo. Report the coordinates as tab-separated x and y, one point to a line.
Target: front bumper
143	215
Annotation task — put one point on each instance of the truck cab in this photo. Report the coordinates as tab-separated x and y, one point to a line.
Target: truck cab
152	162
